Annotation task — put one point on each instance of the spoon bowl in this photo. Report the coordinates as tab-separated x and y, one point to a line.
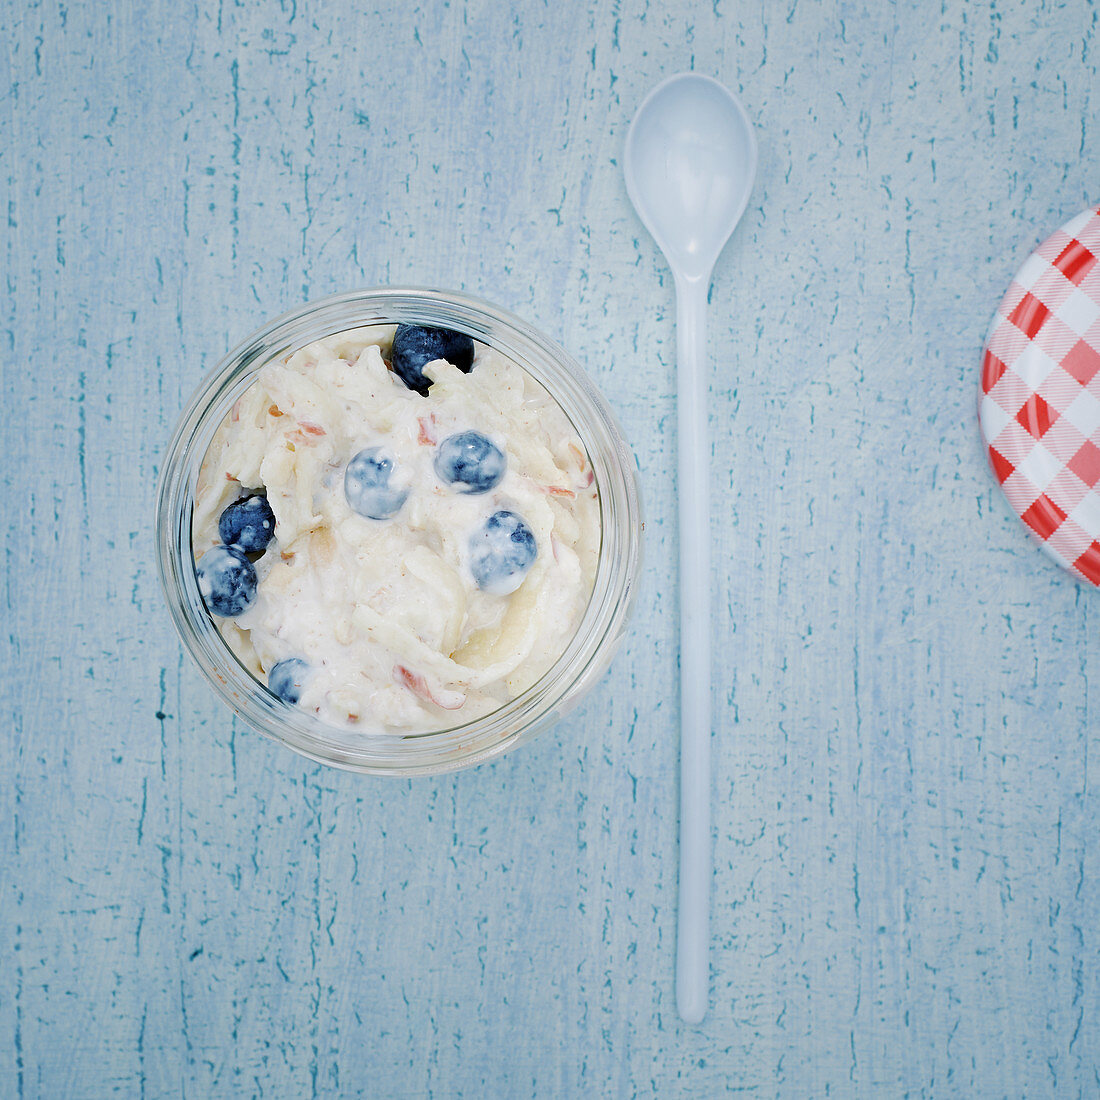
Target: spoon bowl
690	165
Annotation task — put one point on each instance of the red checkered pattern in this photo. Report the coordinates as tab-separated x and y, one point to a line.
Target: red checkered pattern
1039	405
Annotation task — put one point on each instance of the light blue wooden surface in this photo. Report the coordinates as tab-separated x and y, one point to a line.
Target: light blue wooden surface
906	884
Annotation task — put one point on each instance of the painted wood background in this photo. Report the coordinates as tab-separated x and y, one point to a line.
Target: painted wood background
906	885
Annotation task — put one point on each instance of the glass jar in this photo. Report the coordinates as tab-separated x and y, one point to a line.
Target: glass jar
604	622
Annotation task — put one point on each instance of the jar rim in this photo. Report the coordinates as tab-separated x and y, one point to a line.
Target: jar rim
596	638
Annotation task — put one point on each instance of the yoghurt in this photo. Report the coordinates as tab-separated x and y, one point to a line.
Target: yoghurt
433	548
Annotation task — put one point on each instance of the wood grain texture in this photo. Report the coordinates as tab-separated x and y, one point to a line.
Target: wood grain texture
906	880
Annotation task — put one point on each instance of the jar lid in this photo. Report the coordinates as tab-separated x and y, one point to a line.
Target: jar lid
1039	406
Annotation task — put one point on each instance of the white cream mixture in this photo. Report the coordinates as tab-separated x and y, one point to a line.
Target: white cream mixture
386	613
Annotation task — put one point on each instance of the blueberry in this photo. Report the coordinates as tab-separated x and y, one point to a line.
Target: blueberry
367	485
414	346
501	552
287	678
227	580
248	524
470	461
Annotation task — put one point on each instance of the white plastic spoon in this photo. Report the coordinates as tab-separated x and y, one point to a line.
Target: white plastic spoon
690	165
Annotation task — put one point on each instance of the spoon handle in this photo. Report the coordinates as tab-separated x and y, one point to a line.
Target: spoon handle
693	930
